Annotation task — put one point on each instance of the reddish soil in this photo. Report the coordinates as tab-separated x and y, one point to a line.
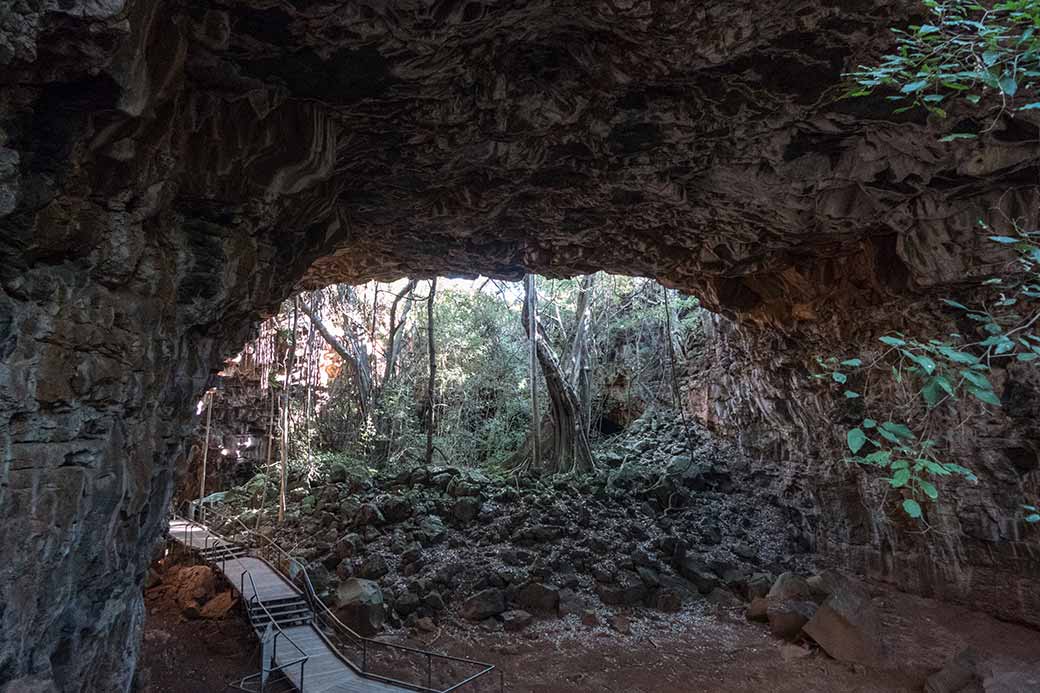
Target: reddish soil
180	655
701	649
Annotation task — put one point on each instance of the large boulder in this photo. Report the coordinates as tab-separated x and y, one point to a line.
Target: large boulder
847	626
373	568
484	604
697	571
790	586
787	618
537	596
360	605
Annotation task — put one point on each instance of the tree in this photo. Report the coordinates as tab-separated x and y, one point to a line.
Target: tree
432	383
566	448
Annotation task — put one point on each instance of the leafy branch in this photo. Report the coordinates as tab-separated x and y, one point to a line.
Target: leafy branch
937	372
966	49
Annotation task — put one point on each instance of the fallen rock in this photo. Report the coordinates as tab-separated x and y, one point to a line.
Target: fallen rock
219	606
696	571
759	584
484	604
621	624
360	605
570	603
407	603
515	620
373	568
789	586
847	627
723	597
466	509
668	600
757	610
535	595
787	618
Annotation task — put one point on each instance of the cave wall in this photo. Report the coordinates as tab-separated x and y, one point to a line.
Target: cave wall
170	170
972	546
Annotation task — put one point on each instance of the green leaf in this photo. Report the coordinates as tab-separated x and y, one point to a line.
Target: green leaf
1027	356
977	379
891	341
929	489
945	384
852	363
888	435
958	136
986	396
898	429
950	302
915	86
856	438
900	478
881	457
957	355
1030	106
927	364
839	377
1008	85
1033	518
990	57
1006	240
869	423
930	392
911	508
849	394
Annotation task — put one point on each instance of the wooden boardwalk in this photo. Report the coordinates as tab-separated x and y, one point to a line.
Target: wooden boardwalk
326	670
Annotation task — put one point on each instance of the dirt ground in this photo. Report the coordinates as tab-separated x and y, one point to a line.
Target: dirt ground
181	655
703	648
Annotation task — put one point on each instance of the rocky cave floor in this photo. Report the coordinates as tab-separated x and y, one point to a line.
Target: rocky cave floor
626	580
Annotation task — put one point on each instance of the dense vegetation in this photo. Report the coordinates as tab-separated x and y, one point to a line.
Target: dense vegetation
357	363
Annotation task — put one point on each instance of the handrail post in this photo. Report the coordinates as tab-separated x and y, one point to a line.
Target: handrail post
303	663
429	671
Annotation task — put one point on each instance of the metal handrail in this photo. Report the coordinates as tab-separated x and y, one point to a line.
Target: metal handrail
321	610
302	660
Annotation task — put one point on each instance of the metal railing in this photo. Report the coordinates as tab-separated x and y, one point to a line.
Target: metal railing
328	622
278	633
253	601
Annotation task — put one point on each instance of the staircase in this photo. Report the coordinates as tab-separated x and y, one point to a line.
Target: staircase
285	612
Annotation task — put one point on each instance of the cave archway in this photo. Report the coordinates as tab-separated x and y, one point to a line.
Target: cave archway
169	172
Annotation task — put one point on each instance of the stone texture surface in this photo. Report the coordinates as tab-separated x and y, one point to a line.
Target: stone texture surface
171	170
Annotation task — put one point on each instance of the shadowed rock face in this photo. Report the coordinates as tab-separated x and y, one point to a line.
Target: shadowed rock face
171	170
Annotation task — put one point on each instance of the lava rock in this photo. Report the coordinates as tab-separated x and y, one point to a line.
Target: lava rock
516	620
360	605
847	627
373	568
484	604
466	509
538	596
406	603
786	618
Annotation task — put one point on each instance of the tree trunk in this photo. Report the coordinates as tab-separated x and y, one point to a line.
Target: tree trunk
531	308
579	361
290	360
357	360
433	373
568	449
